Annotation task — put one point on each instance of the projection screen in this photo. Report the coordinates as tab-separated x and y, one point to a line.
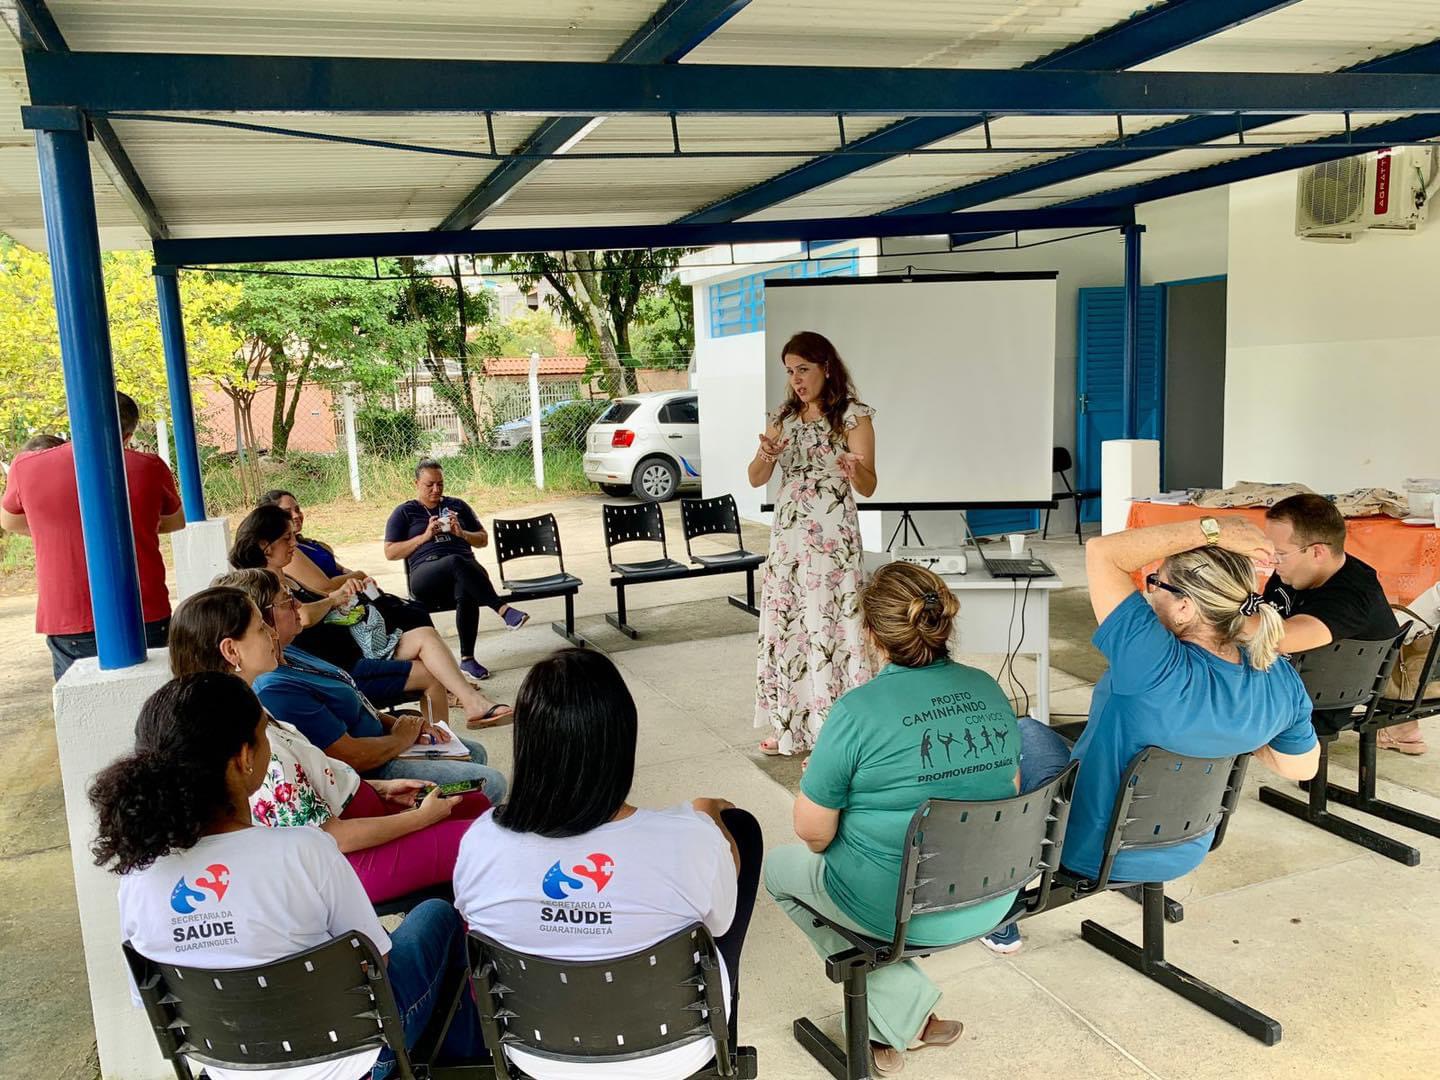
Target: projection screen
959	368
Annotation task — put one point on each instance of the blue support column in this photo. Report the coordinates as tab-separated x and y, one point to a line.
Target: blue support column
70	228
182	408
1130	389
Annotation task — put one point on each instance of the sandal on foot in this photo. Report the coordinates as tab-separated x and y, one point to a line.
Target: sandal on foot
937	1032
489	719
770	747
888	1061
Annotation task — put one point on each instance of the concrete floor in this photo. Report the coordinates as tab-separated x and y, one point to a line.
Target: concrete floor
1336	943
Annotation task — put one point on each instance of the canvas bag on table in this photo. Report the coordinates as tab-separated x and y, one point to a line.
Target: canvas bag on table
1424	614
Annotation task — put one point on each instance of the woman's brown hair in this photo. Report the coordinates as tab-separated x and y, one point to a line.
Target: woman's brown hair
909	612
263	587
201	622
837	392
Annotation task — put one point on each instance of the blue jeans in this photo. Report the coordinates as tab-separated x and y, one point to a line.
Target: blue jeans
1043	754
427	956
447	771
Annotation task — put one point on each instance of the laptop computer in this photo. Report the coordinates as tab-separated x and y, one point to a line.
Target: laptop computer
1024	566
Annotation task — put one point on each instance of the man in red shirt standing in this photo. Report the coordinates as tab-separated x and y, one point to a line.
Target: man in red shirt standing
41	501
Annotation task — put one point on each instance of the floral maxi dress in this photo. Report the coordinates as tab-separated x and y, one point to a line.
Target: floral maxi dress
811	649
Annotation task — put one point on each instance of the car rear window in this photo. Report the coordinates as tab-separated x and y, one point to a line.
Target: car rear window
618	412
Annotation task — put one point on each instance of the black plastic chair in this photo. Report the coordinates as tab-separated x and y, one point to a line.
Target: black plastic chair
1164	799
527	538
320	1005
588	1011
1061	464
630	524
720	517
1349	675
957	854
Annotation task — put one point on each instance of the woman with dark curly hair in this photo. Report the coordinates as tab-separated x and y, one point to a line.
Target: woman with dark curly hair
201	887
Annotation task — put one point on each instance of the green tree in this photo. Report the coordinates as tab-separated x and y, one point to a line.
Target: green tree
441	314
314	322
526	332
665	326
598	294
30	343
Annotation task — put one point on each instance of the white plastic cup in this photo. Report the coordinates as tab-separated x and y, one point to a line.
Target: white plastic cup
1017	543
1435	511
372	591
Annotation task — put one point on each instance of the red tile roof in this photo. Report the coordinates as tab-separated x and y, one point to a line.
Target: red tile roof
504	366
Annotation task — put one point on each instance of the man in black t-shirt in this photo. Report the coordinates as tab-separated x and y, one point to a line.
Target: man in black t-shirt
1323	594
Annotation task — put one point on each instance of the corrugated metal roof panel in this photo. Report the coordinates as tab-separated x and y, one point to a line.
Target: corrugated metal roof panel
1317	35
438	29
908	33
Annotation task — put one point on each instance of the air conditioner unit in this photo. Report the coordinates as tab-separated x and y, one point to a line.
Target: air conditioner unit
1388	189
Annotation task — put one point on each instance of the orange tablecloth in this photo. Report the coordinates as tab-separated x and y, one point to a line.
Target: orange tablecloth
1406	557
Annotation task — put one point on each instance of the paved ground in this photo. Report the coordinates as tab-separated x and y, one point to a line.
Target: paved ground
1335	942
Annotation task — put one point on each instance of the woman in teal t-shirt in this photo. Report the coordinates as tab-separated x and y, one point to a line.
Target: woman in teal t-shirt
924	728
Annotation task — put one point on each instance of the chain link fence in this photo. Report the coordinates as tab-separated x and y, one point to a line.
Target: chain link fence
273	437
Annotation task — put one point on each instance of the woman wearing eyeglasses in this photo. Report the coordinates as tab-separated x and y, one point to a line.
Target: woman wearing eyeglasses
1192	671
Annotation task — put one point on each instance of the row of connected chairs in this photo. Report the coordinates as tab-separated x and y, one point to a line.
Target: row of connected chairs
331	1001
527	538
1352	675
334	1000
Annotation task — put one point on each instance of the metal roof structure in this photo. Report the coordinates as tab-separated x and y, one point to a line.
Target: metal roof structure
650	123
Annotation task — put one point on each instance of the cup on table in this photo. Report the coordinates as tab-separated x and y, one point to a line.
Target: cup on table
1017	543
1435	510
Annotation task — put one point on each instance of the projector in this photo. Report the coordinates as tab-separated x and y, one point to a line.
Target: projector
944	561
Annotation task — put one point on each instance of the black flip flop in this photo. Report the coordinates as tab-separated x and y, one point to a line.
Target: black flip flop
480	721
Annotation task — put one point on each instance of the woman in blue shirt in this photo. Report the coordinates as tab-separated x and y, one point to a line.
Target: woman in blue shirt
1190	672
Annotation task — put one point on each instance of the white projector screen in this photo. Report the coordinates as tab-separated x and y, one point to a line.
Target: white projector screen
959	368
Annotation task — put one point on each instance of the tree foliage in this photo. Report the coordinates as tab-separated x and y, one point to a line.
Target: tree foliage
34	398
598	294
314	323
442	314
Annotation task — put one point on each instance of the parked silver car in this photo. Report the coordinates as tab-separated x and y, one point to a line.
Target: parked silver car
516	433
648	444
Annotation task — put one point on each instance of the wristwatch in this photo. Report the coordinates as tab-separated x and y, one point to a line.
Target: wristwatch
1211	528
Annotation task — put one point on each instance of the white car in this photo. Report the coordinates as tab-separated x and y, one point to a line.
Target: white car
646	443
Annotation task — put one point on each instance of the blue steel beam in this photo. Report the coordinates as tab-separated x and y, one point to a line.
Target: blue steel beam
1142	146
1410	129
251	249
102	83
1142	37
1130	353
39	31
671	32
182	407
89	371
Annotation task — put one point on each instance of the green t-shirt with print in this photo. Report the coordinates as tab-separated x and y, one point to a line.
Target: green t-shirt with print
944	731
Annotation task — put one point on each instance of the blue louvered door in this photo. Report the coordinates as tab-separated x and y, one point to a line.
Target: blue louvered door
1098	413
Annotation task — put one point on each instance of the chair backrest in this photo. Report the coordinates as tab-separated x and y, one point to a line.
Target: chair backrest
1060	460
624	1009
962	852
707	517
523	537
1348	673
627	524
1166	799
323	1004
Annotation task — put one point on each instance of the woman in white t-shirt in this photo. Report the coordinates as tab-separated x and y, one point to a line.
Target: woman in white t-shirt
566	840
202	887
396	841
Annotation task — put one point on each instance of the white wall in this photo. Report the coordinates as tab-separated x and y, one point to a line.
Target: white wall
1185	237
1333	350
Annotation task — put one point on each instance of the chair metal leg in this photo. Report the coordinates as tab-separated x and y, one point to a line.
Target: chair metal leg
1363	797
1338	826
1045	529
567	628
854	1062
1150	961
748	604
618	619
1174	910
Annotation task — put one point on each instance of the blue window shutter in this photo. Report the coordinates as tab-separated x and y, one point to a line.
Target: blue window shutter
738	306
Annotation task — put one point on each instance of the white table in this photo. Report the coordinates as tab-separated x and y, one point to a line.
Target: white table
984	622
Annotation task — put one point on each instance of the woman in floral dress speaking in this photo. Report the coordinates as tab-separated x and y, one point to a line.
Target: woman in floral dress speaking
811	649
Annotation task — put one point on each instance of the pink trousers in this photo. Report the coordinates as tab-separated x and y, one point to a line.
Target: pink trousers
421	858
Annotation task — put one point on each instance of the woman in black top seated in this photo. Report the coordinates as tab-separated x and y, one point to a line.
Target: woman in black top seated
435	534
